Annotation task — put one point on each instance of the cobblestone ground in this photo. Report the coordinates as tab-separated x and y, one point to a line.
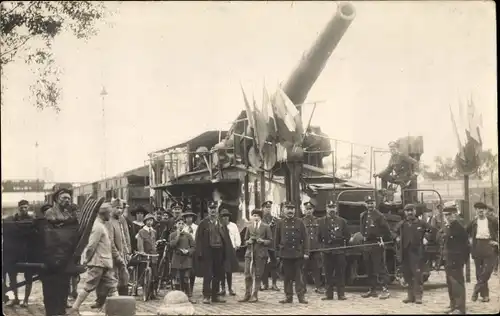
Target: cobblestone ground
435	302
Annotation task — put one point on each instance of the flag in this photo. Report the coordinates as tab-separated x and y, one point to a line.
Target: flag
455	131
261	131
475	122
287	118
249	112
268	114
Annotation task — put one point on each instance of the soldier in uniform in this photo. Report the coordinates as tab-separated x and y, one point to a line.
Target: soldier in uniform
412	234
374	229
333	231
313	263
258	238
271	264
456	253
292	246
483	231
402	165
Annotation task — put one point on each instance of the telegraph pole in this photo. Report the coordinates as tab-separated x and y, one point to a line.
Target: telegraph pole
104	141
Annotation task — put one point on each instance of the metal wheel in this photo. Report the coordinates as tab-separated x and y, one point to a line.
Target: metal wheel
146	285
161	275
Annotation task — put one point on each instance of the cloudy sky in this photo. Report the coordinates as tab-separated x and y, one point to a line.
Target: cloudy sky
172	71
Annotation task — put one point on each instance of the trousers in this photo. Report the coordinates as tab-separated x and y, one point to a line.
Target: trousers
412	263
213	273
292	271
55	287
335	265
375	266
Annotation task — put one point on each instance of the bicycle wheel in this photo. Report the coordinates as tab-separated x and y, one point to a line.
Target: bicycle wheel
132	281
146	285
161	275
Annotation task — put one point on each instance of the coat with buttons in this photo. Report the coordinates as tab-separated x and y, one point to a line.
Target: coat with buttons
374	225
291	240
312	229
456	243
333	231
412	234
272	221
179	242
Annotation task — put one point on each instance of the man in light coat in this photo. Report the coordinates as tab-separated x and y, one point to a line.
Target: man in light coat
234	235
99	258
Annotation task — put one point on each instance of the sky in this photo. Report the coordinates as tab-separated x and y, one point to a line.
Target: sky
173	70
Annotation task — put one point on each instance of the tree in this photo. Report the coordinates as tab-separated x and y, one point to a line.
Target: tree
489	164
28	29
353	168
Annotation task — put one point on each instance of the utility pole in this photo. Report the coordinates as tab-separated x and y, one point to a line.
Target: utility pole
104	141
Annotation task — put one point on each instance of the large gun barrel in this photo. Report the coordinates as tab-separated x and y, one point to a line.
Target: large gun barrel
307	72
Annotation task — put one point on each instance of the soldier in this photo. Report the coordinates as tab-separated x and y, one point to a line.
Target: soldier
333	232
374	229
271	264
292	246
411	233
402	165
258	238
99	257
483	231
313	264
22	214
456	253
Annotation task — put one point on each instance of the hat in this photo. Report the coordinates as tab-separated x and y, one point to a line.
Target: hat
169	212
224	212
179	218
289	205
176	205
61	191
139	209
309	205
392	144
450	208
23	202
149	216
257	211
212	204
369	199
186	214
330	204
409	207
45	207
267	203
480	205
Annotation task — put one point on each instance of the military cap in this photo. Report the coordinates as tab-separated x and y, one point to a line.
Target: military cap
309	204
44	208
410	207
448	209
330	204
177	205
149	216
267	203
212	204
289	205
224	212
23	202
480	205
139	209
369	199
61	191
186	214
257	211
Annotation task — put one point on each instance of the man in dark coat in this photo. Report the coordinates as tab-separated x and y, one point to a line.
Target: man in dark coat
292	246
374	229
412	234
258	238
271	266
483	231
313	263
333	231
214	252
456	253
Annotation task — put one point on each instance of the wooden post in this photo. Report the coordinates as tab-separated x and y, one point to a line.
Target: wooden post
466	214
247	195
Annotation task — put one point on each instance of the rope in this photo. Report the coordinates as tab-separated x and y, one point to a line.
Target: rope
350	247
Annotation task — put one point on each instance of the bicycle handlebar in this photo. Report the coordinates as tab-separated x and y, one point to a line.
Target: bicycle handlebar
146	254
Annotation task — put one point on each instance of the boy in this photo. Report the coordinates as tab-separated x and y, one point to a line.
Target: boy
182	245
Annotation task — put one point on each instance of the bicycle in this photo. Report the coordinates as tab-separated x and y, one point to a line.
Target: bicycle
164	276
145	279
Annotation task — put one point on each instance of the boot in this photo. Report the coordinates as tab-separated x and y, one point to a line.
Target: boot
302	299
248	288
341	295
14	302
370	293
206	300
275	287
123	290
485	299
254	298
410	297
287	300
79	300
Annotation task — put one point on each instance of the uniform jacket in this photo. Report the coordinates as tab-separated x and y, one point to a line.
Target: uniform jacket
203	253
115	235
291	239
456	243
333	231
146	240
400	164
263	232
99	251
55	213
272	221
374	225
178	242
412	233
312	228
472	231
126	233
